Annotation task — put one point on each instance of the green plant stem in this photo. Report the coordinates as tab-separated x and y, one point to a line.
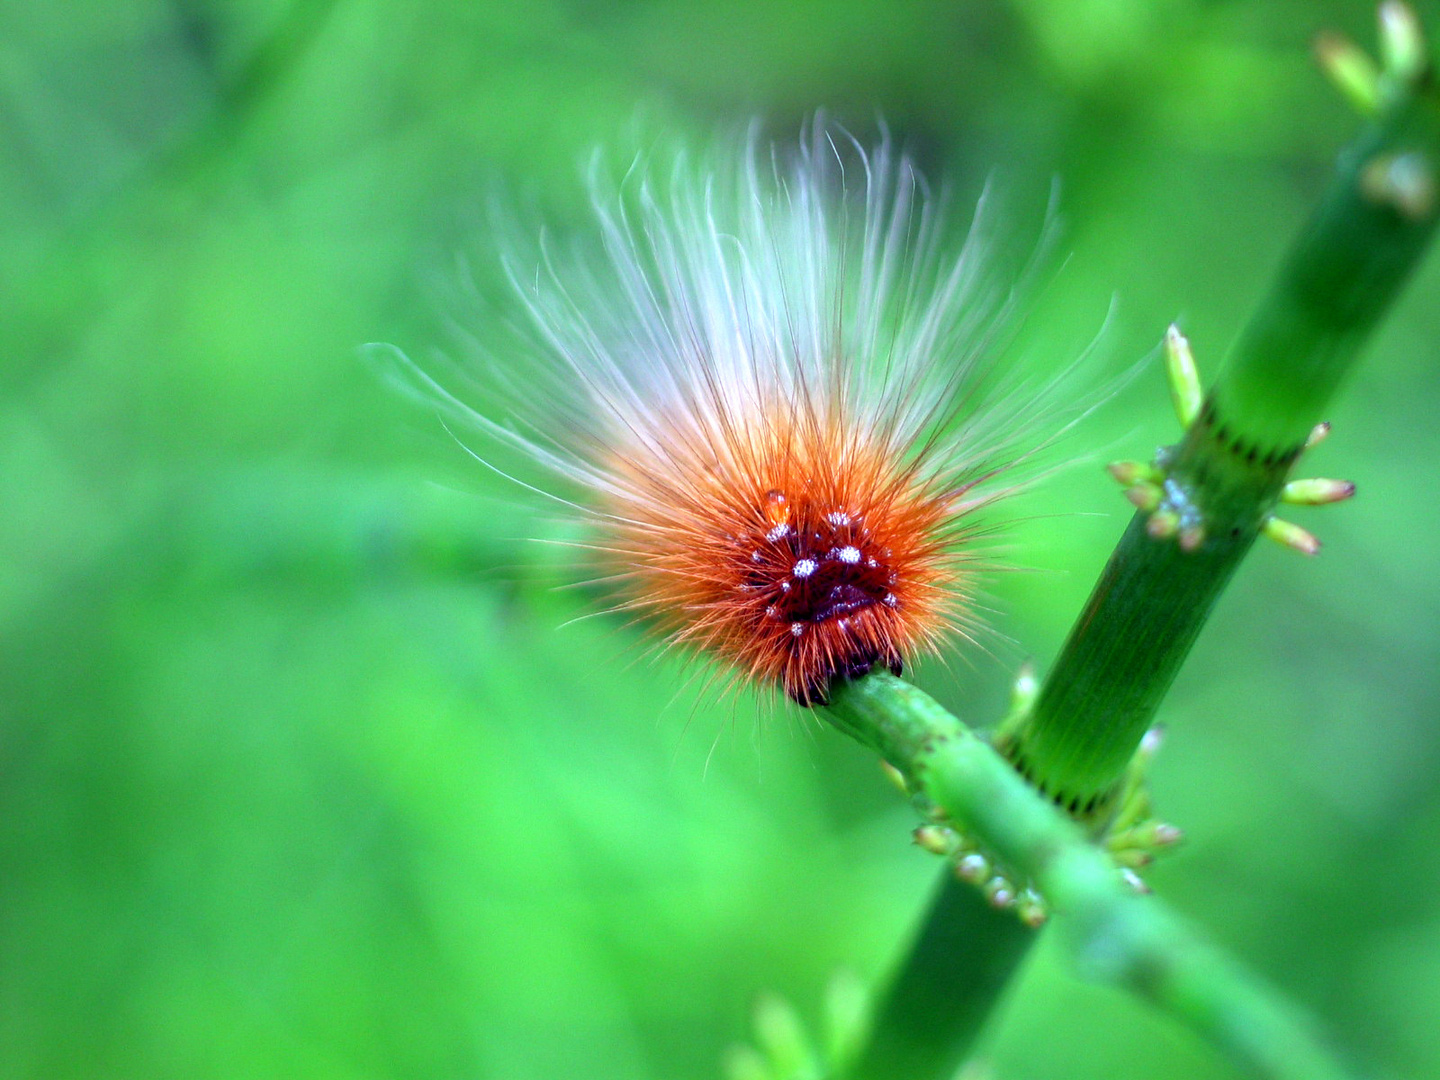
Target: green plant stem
1139	625
1344	270
1116	935
1341	275
937	1007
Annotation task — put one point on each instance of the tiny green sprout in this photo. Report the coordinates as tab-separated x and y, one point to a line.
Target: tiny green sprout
1164	835
1145	495
1030	906
1191	538
895	776
847	1015
1311	491
1163	524
936	839
1402	42
1001	892
1171	511
974	868
1135	881
781	1037
783	1049
1129	473
1291	535
1134	836
1317	492
1404	61
1024	690
1351	70
1148	839
1405	182
1184	378
1003	888
746	1063
1132	858
1023	693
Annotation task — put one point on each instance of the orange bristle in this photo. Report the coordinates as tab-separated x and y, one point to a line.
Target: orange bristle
796	555
776	393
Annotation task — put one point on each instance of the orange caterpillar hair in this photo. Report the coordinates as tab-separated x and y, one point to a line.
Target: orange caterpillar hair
772	385
795	548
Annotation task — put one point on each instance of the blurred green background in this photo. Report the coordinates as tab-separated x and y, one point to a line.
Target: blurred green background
302	770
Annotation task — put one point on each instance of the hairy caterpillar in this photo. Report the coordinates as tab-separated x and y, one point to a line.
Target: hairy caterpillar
775	390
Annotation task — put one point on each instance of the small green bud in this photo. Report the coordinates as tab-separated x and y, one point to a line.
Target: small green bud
936	839
1135	881
1191	537
1025	689
1031	908
745	1063
1148	836
1145	496
1402	42
847	1009
1165	835
895	776
1317	434
1317	491
1350	69
1404	181
1292	536
1128	473
1184	377
1132	858
973	868
1163	524
1000	891
781	1036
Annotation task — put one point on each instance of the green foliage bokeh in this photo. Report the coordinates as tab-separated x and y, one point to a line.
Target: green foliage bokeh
305	770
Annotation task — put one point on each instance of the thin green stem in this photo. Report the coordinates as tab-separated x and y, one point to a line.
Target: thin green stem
1116	935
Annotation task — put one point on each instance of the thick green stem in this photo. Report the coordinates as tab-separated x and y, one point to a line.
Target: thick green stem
938	1005
1116	935
1343	272
1345	269
1141	620
1341	275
